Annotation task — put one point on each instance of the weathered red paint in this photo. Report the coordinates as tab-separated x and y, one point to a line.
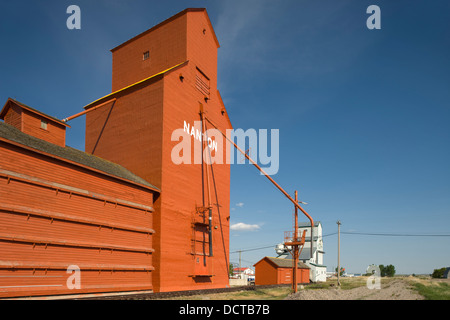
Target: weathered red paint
28	120
56	213
269	271
136	133
123	235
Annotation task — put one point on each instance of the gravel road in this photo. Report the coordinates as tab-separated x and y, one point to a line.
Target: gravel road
395	290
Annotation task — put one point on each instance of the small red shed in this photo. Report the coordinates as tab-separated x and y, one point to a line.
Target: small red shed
271	270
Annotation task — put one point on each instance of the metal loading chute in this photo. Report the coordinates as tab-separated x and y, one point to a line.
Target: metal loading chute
202	117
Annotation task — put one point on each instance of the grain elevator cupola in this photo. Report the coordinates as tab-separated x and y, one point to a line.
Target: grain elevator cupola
186	36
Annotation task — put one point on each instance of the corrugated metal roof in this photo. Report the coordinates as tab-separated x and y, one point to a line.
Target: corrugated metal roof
11	133
308	224
304	255
240	269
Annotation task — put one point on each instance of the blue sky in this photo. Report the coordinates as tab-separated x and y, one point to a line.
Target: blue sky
363	114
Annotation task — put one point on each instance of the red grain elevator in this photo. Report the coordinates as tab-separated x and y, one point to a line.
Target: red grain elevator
160	80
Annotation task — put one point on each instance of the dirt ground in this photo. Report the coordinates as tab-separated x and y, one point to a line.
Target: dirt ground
397	289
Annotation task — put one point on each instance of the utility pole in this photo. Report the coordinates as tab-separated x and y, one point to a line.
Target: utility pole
295	242
295	248
240	274
339	253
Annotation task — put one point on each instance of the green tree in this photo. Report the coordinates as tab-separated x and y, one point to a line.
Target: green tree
390	270
382	270
438	273
387	271
342	271
230	269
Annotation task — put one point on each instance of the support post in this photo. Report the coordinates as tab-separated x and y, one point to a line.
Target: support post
295	257
339	254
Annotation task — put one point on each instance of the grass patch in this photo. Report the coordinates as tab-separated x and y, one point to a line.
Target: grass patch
346	284
439	291
249	293
320	285
264	294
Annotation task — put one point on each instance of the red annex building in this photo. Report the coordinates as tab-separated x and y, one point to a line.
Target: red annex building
270	270
122	211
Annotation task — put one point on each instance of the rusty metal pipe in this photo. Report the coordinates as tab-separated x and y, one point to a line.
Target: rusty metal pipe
271	180
202	116
88	110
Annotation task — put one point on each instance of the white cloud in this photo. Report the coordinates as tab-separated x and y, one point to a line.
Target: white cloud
240	204
244	227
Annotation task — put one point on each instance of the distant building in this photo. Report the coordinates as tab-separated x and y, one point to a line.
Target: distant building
318	271
243	272
447	273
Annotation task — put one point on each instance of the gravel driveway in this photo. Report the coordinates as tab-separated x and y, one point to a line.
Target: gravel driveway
395	290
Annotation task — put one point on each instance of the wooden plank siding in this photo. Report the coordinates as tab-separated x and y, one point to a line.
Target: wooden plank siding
137	134
54	214
279	271
53	133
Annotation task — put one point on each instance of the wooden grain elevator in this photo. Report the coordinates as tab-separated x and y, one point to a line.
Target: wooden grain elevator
160	80
123	212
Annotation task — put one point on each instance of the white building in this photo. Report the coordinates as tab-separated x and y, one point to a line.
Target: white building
318	271
242	273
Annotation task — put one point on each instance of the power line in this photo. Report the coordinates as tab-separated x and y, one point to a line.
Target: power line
253	249
396	234
243	260
330	234
358	233
389	234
